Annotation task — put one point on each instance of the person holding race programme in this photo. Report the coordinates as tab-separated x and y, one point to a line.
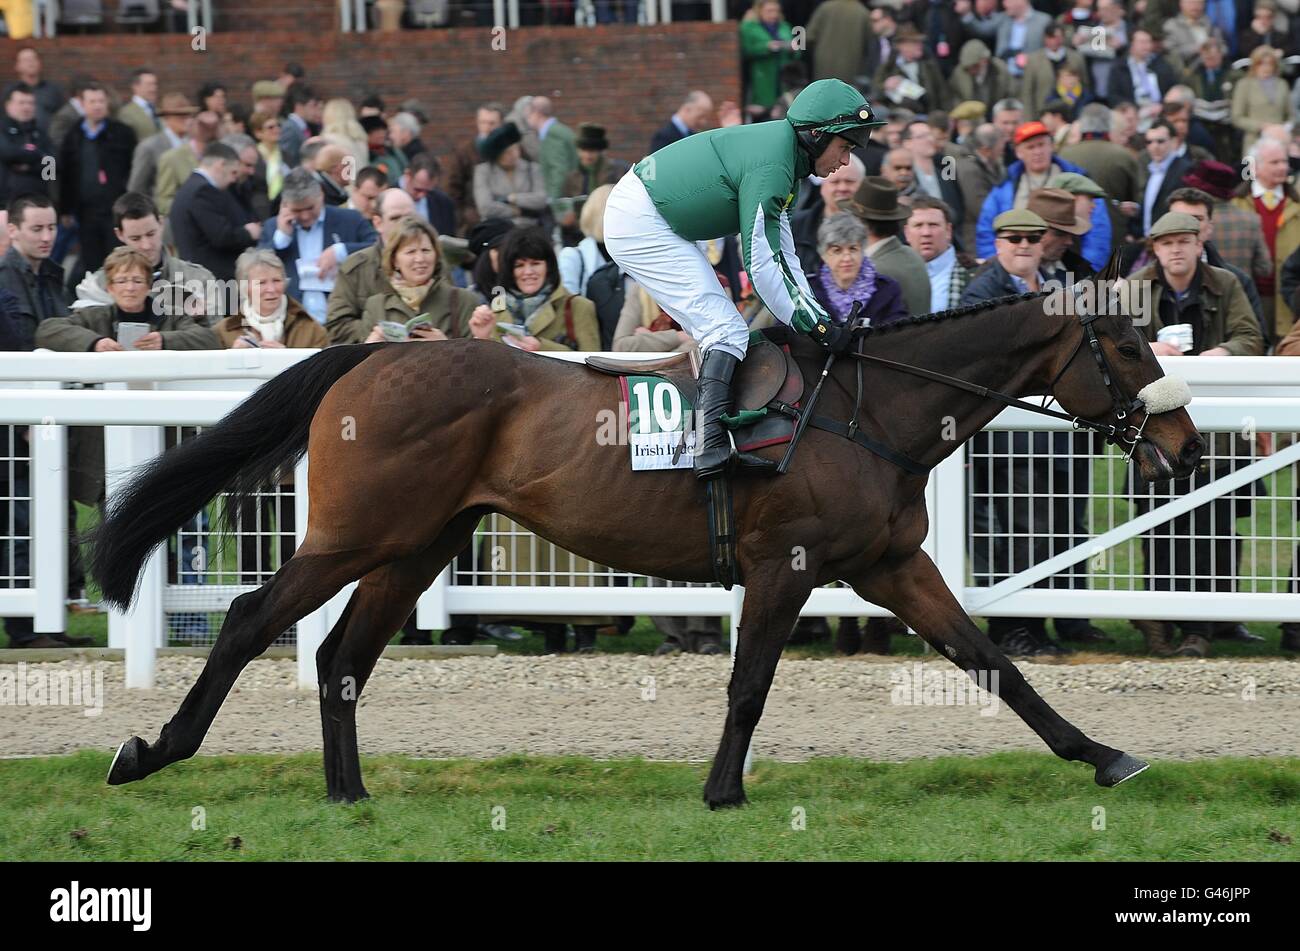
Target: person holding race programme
717	183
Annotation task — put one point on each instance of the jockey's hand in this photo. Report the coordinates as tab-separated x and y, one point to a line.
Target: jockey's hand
834	337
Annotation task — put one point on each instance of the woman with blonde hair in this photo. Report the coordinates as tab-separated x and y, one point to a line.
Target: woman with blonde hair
1262	96
339	125
415	270
577	264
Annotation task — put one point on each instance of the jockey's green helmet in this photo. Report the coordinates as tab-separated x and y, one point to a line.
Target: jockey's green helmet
832	105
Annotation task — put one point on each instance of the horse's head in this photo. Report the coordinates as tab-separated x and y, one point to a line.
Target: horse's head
1107	372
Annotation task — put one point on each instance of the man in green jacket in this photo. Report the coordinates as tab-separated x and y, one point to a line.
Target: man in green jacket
713	184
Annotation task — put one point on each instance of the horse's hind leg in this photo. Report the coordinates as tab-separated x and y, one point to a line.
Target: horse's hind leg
304	583
383	599
915	591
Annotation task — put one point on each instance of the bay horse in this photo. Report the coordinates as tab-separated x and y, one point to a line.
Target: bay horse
412	444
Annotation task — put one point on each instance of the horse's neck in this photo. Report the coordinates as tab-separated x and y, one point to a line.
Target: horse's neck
1010	349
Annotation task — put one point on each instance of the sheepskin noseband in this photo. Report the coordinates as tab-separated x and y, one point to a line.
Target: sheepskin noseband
1165	394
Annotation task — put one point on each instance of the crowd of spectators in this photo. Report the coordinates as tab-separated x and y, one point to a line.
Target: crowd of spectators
1025	143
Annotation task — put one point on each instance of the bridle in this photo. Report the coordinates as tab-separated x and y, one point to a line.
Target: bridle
1120	433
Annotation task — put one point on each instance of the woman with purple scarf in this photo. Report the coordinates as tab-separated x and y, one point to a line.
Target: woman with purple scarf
847	274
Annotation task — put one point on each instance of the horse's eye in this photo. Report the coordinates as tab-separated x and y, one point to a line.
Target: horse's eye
1130	352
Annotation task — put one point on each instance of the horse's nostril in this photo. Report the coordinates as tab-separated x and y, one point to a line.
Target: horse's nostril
1193	449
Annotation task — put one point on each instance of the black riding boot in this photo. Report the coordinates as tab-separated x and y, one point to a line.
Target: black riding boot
714	448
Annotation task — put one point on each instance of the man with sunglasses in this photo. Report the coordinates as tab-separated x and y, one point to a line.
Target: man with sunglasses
1014	269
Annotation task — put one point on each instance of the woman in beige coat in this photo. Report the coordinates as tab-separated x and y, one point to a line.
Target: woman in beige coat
1262	97
415	269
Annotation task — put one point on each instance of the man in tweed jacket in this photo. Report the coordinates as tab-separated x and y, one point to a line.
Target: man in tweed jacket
929	232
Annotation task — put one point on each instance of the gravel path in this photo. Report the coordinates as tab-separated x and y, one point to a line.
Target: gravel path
672	708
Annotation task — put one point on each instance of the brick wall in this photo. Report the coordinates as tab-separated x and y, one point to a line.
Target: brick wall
628	78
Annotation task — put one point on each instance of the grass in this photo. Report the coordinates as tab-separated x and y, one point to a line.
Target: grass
1006	806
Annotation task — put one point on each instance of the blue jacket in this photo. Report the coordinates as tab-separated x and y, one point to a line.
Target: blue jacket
342	225
1096	243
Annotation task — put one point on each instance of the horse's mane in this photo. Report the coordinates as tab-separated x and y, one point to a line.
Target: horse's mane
918	320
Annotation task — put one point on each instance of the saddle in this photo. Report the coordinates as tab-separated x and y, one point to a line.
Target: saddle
759	379
767	379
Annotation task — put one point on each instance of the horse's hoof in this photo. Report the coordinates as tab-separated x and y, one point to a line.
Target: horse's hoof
1121	768
732	801
125	767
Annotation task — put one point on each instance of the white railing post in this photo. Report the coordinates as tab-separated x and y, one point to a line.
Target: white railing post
431	611
140	629
499	14
49	521
345	16
948	520
737	608
719	11
359	19
666	11
312	629
512	11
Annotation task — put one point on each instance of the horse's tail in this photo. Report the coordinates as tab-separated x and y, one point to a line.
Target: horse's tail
239	455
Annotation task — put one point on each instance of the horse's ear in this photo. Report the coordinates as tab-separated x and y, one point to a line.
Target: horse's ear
1111	272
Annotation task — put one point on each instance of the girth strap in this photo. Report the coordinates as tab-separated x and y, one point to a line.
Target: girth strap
866	442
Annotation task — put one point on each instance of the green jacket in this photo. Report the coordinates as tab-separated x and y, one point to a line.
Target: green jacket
762	65
740	178
449	307
360	277
558	157
79	331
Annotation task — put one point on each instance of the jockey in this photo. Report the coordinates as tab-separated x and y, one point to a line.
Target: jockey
717	183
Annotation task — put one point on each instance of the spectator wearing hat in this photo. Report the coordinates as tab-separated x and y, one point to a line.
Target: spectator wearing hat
839	33
485	238
25	151
507	185
1060	260
305	109
1018	256
1162	174
1111	166
1035	164
361	275
1237	234
978	76
307	231
268	96
176	114
876	203
1194	551
1194	202
966	118
1007	540
595	168
1277	210
177	164
557	150
1043	67
911	78
929	231
979	171
382	155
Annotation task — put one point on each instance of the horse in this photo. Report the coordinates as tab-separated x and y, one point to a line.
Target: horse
412	444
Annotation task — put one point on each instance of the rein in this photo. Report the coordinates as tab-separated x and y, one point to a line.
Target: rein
1122	407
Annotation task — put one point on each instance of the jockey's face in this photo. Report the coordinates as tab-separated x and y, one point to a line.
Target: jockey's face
835	156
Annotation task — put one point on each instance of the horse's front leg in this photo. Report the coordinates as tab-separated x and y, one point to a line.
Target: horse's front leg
914	590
